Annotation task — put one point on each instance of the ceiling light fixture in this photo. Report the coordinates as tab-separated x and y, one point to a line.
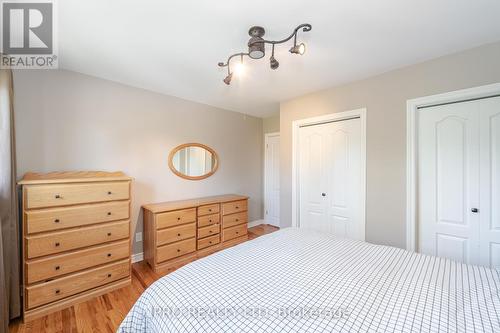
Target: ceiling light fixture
257	49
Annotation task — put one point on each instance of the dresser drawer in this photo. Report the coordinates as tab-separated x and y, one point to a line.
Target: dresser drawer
209	241
209	231
39	196
234	207
208	209
54	266
174	250
50	219
40	245
203	221
175	218
234	232
73	284
175	234
234	219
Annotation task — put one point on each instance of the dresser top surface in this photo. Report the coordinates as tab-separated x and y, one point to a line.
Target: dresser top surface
181	204
72	177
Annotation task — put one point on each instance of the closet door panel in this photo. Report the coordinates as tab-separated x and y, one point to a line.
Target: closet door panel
330	178
343	158
311	178
449	181
489	210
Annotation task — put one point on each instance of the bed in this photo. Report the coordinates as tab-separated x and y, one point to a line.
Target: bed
295	280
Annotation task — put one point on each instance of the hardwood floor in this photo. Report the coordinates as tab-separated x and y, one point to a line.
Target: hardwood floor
105	313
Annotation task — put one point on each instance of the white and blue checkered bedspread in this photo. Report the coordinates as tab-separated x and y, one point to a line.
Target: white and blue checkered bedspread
301	281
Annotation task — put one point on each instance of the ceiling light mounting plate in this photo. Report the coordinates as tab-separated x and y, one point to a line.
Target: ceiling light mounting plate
256	31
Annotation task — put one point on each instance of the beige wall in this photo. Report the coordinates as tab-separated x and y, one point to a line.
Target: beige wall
385	98
69	121
271	124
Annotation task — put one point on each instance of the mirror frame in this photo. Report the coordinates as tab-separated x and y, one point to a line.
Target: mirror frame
192	144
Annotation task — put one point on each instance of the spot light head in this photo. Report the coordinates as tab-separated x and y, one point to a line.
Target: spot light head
227	79
298	49
274	63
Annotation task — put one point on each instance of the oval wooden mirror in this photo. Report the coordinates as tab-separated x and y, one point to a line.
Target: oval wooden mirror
193	161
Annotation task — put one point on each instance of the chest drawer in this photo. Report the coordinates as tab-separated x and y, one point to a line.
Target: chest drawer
54	266
234	219
175	234
174	250
50	219
208	241
234	207
175	218
203	221
209	231
73	284
234	232
40	245
39	196
208	209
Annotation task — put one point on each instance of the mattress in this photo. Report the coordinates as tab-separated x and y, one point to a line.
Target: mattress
295	280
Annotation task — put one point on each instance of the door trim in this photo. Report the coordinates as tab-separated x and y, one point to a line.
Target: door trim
266	140
337	116
412	107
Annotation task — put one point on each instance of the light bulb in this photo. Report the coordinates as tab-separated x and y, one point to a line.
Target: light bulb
239	69
298	49
302	48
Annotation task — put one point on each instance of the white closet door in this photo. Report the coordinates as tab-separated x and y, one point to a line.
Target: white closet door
458	167
330	178
489	213
312	177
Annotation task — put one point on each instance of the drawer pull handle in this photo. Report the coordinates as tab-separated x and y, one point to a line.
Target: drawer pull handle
178	235
56	221
237	220
57	268
209	220
178	250
178	219
109	275
57	244
210	242
109	213
237	232
109	254
109	192
57	291
237	207
58	196
210	231
109	234
210	209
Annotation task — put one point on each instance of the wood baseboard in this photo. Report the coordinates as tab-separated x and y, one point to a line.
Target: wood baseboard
72	300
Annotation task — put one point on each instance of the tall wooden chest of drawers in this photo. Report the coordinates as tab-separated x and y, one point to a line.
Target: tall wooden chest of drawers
76	238
177	232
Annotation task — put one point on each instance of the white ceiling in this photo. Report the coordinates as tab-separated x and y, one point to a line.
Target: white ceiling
173	46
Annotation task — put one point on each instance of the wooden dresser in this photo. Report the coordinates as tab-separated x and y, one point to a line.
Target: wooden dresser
76	238
179	231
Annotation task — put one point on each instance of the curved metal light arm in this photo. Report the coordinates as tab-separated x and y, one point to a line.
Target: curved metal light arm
241	54
305	27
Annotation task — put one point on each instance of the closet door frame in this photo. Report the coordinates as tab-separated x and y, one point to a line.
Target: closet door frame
337	116
412	107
